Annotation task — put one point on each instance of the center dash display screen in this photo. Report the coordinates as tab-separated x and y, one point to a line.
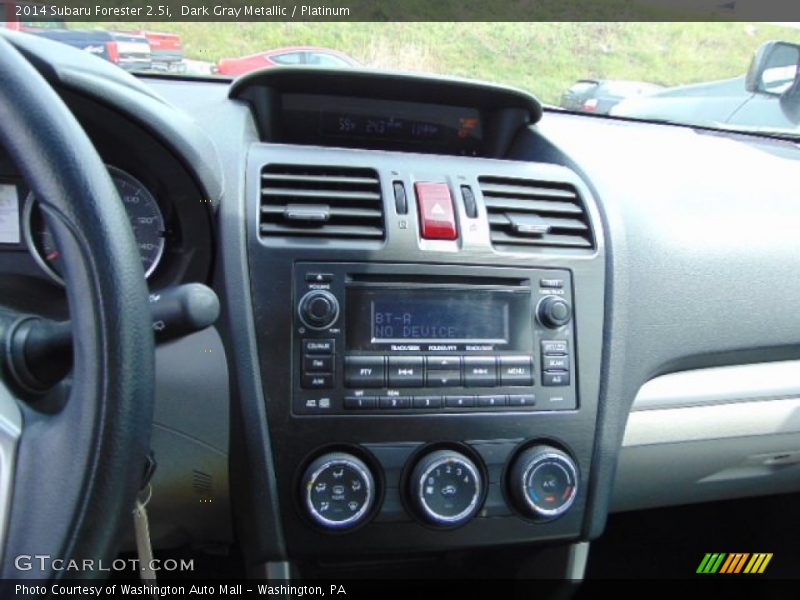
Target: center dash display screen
381	124
430	316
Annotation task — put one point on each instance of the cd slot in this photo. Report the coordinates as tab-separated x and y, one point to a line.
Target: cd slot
389	280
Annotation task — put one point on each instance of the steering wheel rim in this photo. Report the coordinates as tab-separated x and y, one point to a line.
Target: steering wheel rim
78	466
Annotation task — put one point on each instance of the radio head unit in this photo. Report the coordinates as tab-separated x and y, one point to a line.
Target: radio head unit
423	339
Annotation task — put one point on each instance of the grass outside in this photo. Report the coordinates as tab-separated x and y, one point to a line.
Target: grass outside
544	58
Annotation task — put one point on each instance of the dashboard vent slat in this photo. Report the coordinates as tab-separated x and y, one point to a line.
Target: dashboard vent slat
532	205
516	191
319	179
311	201
339	231
320	194
526	212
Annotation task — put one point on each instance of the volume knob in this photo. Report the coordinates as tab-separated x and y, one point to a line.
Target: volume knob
318	309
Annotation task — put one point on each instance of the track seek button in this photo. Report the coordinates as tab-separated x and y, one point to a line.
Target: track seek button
405	371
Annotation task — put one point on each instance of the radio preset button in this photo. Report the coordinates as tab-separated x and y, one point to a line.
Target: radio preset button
427	402
395	402
443	363
444	378
364	371
317	363
317	381
318	346
459	401
405	371
480	371
516	370
557	363
553	378
489	401
360	402
522	400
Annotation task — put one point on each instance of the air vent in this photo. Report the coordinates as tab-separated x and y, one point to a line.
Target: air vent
523	212
321	202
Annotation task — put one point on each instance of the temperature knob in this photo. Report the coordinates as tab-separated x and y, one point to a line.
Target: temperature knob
446	488
318	309
543	482
553	312
338	490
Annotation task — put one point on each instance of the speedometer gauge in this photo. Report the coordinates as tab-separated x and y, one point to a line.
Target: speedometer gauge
143	212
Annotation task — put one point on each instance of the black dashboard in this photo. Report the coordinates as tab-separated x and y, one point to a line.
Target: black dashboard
440	302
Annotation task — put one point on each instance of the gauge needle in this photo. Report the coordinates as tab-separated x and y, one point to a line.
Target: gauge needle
53	255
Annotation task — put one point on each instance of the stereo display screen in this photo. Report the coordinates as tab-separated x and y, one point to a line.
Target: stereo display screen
390	316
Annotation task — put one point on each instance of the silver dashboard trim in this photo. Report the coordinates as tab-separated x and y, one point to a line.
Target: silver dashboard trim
739	383
717	421
716	403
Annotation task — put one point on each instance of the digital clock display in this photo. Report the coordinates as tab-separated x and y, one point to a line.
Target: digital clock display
381	127
381	124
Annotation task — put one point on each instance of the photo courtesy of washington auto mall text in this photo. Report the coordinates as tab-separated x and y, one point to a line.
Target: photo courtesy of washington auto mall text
167	590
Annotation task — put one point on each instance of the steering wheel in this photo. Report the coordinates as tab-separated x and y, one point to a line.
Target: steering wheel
70	471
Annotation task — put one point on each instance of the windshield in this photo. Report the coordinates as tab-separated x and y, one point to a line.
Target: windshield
726	74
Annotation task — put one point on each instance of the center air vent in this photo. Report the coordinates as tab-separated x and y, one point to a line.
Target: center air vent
524	212
321	202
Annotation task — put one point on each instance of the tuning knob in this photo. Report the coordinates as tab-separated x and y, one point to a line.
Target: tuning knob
543	482
318	309
553	312
446	488
338	490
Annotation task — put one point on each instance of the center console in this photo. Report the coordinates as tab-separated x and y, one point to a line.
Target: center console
429	329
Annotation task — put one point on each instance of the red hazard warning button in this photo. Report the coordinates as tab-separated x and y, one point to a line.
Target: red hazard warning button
437	220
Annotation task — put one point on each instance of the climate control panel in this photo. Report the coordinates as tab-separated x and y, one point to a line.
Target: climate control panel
439	486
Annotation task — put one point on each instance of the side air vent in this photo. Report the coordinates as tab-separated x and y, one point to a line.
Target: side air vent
321	202
524	212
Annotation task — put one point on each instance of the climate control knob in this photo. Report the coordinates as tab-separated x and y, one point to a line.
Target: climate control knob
338	490
553	312
446	488
318	309
543	482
